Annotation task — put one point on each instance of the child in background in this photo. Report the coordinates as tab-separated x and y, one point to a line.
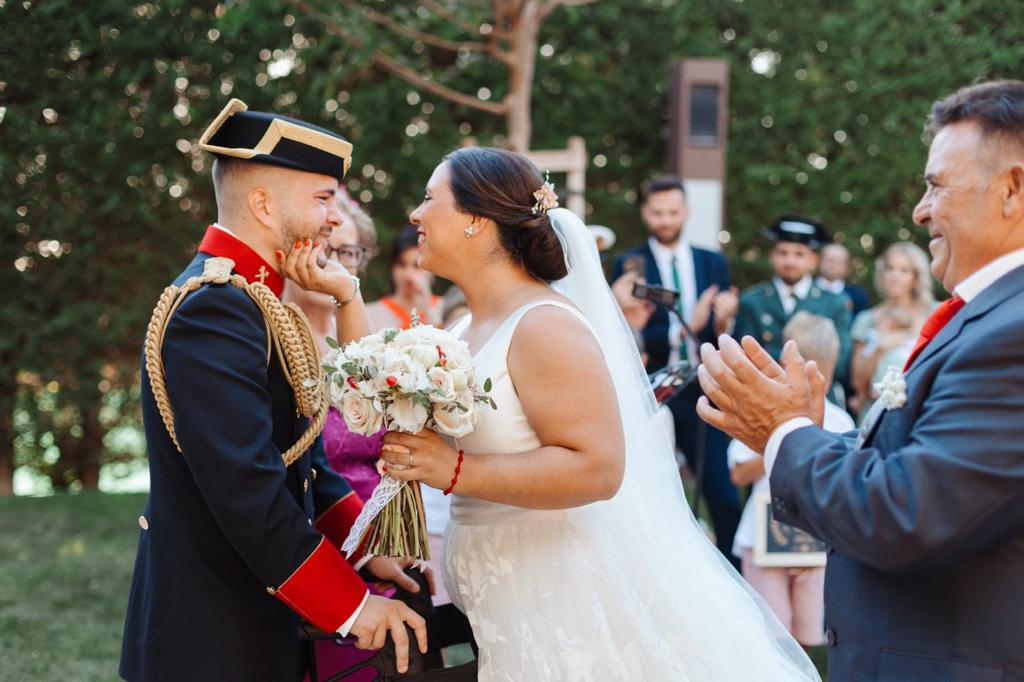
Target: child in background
795	595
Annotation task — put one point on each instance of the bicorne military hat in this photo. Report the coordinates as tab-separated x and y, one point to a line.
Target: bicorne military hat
801	229
278	140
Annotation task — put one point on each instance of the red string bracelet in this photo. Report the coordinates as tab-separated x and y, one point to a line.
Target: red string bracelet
458	470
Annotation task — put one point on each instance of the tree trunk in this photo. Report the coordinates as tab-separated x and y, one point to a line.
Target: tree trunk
8	402
525	29
6	459
87	461
80	457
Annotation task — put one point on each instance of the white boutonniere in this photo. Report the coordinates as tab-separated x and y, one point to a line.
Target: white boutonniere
892	390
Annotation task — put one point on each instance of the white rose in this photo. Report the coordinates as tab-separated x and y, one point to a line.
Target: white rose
460	364
406	415
421	349
458	356
465	398
367	388
360	415
335	359
366	349
330	358
455	422
460	379
441	380
401	371
424	333
425	355
336	389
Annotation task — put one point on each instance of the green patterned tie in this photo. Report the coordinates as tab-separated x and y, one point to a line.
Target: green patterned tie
684	350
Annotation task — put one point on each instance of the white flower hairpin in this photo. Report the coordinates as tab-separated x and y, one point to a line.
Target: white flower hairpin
545	196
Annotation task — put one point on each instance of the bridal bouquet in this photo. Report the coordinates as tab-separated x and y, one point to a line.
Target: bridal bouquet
403	380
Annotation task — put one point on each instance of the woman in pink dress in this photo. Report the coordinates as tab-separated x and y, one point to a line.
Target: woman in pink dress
351	246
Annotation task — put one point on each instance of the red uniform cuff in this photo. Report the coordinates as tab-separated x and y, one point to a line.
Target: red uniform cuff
324	589
336	522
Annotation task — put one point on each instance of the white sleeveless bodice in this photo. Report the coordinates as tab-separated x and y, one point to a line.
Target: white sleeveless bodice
502	431
581	593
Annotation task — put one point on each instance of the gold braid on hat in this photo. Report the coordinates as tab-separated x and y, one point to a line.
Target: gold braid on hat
288	333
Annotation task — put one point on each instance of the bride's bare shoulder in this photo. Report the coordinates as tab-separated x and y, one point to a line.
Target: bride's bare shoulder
550	333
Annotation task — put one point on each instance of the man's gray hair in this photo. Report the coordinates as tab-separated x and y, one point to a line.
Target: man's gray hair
816	338
996	106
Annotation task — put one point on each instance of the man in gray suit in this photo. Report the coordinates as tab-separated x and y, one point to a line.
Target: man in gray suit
924	508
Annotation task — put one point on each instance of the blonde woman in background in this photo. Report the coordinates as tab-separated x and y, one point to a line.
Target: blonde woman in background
883	336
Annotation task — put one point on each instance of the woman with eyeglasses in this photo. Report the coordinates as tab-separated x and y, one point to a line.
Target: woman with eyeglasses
351	246
410	288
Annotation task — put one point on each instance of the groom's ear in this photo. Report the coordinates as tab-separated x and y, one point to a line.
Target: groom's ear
261	205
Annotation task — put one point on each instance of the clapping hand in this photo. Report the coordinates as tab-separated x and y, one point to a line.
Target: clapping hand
752	394
702	311
725	307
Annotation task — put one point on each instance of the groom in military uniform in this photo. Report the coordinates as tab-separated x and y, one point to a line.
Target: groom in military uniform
765	308
236	543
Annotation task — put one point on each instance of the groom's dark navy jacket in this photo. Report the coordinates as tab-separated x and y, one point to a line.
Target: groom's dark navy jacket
925	578
226	524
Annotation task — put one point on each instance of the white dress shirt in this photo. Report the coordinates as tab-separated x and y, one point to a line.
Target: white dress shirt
688	295
836	287
791	295
969	289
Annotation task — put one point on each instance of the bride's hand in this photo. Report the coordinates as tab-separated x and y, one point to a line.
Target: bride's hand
424	456
393	570
300	265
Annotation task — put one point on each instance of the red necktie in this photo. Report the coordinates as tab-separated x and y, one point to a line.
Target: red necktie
942	314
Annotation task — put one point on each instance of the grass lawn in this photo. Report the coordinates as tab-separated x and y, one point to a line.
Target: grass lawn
65	568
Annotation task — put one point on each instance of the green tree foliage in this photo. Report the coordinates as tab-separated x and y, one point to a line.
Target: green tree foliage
106	195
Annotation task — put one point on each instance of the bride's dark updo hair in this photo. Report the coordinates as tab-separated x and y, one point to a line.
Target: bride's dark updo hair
499	184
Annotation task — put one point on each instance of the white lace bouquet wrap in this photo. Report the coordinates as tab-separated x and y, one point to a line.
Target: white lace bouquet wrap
402	380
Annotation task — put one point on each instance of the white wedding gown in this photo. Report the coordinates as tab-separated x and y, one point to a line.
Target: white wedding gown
628	589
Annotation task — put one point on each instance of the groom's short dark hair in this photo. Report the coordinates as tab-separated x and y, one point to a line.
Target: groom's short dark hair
660	183
997	107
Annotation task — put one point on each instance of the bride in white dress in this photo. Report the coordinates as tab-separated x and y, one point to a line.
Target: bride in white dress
571	548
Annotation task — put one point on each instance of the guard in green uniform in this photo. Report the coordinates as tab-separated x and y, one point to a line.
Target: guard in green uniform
765	308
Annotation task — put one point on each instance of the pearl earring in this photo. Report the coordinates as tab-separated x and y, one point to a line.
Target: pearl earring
469	231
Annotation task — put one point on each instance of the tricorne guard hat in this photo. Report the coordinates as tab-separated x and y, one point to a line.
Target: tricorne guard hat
278	140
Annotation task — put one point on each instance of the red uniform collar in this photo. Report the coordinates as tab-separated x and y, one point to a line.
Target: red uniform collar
248	263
